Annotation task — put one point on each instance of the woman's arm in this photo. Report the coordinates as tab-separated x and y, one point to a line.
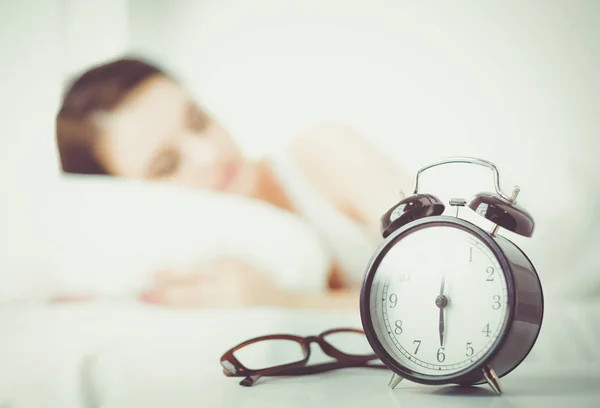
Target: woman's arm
231	282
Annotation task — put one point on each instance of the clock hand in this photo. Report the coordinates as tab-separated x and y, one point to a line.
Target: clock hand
441	301
441	326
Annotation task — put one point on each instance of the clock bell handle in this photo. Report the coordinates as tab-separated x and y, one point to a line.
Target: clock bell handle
468	160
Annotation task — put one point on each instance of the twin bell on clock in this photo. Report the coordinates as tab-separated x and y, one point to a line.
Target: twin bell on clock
444	301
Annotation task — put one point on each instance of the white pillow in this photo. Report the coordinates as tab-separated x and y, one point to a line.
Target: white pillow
103	234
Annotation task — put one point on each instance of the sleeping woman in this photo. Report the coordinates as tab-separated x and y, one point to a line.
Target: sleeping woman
129	118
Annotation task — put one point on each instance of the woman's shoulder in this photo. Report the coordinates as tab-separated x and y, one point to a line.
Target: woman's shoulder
327	140
342	163
323	154
358	178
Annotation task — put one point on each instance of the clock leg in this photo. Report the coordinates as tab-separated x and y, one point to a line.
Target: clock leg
492	379
395	380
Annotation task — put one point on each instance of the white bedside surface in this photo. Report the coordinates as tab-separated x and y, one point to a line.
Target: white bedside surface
150	357
528	388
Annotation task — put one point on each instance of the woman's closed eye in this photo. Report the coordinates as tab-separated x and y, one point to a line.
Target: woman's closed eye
196	119
166	163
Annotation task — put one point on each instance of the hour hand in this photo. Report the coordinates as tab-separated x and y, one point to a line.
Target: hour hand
441	327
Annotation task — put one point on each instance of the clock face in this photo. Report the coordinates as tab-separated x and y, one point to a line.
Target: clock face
438	300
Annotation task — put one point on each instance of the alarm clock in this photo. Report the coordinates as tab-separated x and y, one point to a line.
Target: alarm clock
444	301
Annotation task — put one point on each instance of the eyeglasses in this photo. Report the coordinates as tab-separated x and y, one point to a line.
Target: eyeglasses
297	349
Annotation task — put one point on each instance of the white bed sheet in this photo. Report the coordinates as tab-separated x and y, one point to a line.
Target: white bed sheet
103	354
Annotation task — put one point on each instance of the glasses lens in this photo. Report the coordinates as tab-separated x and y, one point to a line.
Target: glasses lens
270	353
350	342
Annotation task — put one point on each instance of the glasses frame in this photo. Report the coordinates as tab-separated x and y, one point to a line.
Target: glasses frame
232	367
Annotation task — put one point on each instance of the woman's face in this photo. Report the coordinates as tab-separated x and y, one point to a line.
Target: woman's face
159	133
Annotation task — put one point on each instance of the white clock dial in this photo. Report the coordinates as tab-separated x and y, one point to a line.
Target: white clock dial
406	284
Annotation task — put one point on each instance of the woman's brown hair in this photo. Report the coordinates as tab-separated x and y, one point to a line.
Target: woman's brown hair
99	89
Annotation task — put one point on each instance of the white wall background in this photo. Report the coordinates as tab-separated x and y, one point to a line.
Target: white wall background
472	76
513	82
41	45
30	38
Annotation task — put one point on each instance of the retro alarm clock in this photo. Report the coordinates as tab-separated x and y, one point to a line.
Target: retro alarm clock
444	301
